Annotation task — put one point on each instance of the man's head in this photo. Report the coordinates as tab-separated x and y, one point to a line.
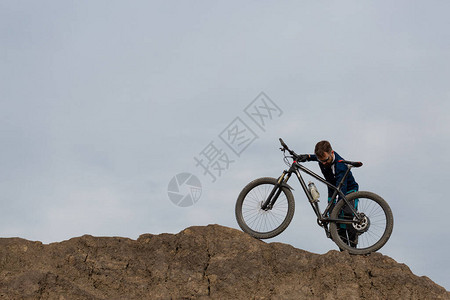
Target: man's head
324	152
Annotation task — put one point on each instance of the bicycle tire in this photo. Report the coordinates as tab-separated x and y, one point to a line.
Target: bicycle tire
256	221
379	219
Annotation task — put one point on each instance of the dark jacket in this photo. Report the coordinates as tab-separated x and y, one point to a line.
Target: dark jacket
350	185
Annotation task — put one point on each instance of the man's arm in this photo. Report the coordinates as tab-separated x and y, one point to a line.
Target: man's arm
312	157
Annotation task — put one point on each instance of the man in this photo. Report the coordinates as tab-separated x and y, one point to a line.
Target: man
334	171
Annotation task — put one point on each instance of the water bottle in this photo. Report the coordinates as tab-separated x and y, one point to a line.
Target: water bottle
314	192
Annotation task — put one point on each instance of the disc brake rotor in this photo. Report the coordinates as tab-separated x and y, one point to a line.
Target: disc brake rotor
363	225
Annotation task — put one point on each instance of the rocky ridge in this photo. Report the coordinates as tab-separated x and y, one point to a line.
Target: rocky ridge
199	263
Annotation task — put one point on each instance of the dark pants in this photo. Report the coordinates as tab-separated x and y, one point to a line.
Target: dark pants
347	232
348	235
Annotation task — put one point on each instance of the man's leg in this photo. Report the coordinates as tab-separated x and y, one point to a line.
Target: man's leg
352	237
343	234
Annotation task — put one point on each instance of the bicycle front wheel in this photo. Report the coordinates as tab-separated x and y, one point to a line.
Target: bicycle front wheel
264	223
371	233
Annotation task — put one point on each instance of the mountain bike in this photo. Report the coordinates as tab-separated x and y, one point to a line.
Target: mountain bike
265	208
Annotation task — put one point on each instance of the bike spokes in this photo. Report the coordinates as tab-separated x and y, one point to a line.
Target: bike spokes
373	225
371	231
259	219
268	221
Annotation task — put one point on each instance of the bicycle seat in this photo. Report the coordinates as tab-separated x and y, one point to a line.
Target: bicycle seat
355	164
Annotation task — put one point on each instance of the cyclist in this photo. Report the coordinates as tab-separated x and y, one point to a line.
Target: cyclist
334	171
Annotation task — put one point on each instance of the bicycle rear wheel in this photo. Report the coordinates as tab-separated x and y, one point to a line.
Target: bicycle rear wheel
260	223
369	235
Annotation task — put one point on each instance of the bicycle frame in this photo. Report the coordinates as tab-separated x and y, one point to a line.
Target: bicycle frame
322	219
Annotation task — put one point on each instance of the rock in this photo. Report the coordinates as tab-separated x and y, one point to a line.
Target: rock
198	263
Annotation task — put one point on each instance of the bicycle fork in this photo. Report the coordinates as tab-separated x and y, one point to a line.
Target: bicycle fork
276	191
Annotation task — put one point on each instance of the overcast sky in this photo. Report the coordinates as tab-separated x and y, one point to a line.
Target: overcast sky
102	103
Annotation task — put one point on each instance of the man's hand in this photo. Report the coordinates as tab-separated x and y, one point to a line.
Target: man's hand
303	157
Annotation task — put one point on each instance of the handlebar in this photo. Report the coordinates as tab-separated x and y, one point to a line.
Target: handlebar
285	147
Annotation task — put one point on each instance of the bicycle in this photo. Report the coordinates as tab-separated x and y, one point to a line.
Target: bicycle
265	208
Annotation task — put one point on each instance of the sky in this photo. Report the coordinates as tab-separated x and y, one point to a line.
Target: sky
103	103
